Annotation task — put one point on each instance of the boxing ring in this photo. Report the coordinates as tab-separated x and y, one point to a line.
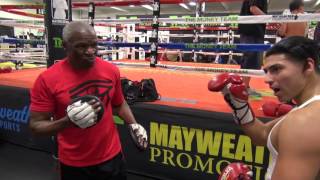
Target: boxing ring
191	130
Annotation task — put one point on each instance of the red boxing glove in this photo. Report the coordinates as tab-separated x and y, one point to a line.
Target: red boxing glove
6	69
235	94
236	171
274	109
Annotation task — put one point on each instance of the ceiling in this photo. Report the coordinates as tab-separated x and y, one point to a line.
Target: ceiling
275	6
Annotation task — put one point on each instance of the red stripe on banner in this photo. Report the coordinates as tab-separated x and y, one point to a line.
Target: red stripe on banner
186	1
139	2
23	13
22	6
108	3
112	3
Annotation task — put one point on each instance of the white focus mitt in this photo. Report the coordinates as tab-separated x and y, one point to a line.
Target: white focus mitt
82	114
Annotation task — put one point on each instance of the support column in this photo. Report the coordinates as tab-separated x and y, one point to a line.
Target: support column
58	13
91	13
154	35
197	27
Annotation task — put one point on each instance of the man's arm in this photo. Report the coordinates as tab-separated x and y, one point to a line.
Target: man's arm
137	131
236	96
255	10
282	31
298	149
124	112
81	114
41	124
259	131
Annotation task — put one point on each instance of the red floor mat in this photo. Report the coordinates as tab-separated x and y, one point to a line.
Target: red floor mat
177	88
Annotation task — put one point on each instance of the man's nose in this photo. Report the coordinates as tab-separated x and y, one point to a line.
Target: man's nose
91	50
268	78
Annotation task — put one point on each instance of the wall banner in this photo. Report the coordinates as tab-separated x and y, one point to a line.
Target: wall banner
190	144
14	119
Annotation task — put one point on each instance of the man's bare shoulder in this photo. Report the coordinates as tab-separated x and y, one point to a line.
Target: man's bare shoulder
302	128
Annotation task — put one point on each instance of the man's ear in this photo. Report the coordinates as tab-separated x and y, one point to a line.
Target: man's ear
64	44
309	66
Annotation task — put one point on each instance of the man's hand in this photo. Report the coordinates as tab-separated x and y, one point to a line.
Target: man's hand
139	135
235	94
85	111
236	171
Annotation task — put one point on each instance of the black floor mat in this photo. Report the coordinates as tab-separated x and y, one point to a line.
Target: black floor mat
21	163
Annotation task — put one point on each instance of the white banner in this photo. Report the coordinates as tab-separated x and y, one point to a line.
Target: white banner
222	19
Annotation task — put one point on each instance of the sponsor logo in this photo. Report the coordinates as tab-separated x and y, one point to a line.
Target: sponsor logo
203	150
11	119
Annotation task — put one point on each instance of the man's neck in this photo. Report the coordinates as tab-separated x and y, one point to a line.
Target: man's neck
311	89
77	65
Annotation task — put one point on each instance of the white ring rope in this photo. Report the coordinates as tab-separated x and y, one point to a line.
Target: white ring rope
243	72
221	19
195	20
22	49
105	52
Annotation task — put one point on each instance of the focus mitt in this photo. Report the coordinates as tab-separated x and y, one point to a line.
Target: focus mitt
83	114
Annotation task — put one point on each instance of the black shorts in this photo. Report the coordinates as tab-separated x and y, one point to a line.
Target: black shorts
113	169
251	59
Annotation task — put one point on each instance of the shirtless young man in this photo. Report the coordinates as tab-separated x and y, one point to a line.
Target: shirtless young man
292	72
294	28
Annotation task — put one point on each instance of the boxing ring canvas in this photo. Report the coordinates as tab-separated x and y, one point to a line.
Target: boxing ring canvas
191	131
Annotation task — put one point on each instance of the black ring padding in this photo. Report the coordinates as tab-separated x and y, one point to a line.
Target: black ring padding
87	98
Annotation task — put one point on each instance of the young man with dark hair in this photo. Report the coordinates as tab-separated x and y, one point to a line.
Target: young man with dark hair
292	72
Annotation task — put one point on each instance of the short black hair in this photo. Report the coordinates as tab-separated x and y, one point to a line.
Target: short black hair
295	4
298	49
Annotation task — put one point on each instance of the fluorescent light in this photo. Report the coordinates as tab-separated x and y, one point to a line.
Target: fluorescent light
192	3
147	7
119	9
317	3
203	7
184	6
307	0
131	5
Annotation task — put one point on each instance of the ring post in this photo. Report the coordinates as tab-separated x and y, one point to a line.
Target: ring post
154	35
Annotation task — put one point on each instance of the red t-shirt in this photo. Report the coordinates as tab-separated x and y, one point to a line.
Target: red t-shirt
53	91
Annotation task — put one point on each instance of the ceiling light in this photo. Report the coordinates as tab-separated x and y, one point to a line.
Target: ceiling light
192	3
131	5
147	7
119	9
184	6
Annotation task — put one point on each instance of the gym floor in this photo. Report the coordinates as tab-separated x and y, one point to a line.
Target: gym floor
21	163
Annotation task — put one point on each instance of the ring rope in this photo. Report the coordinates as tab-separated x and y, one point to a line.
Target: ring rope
221	19
198	20
244	72
105	52
183	46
